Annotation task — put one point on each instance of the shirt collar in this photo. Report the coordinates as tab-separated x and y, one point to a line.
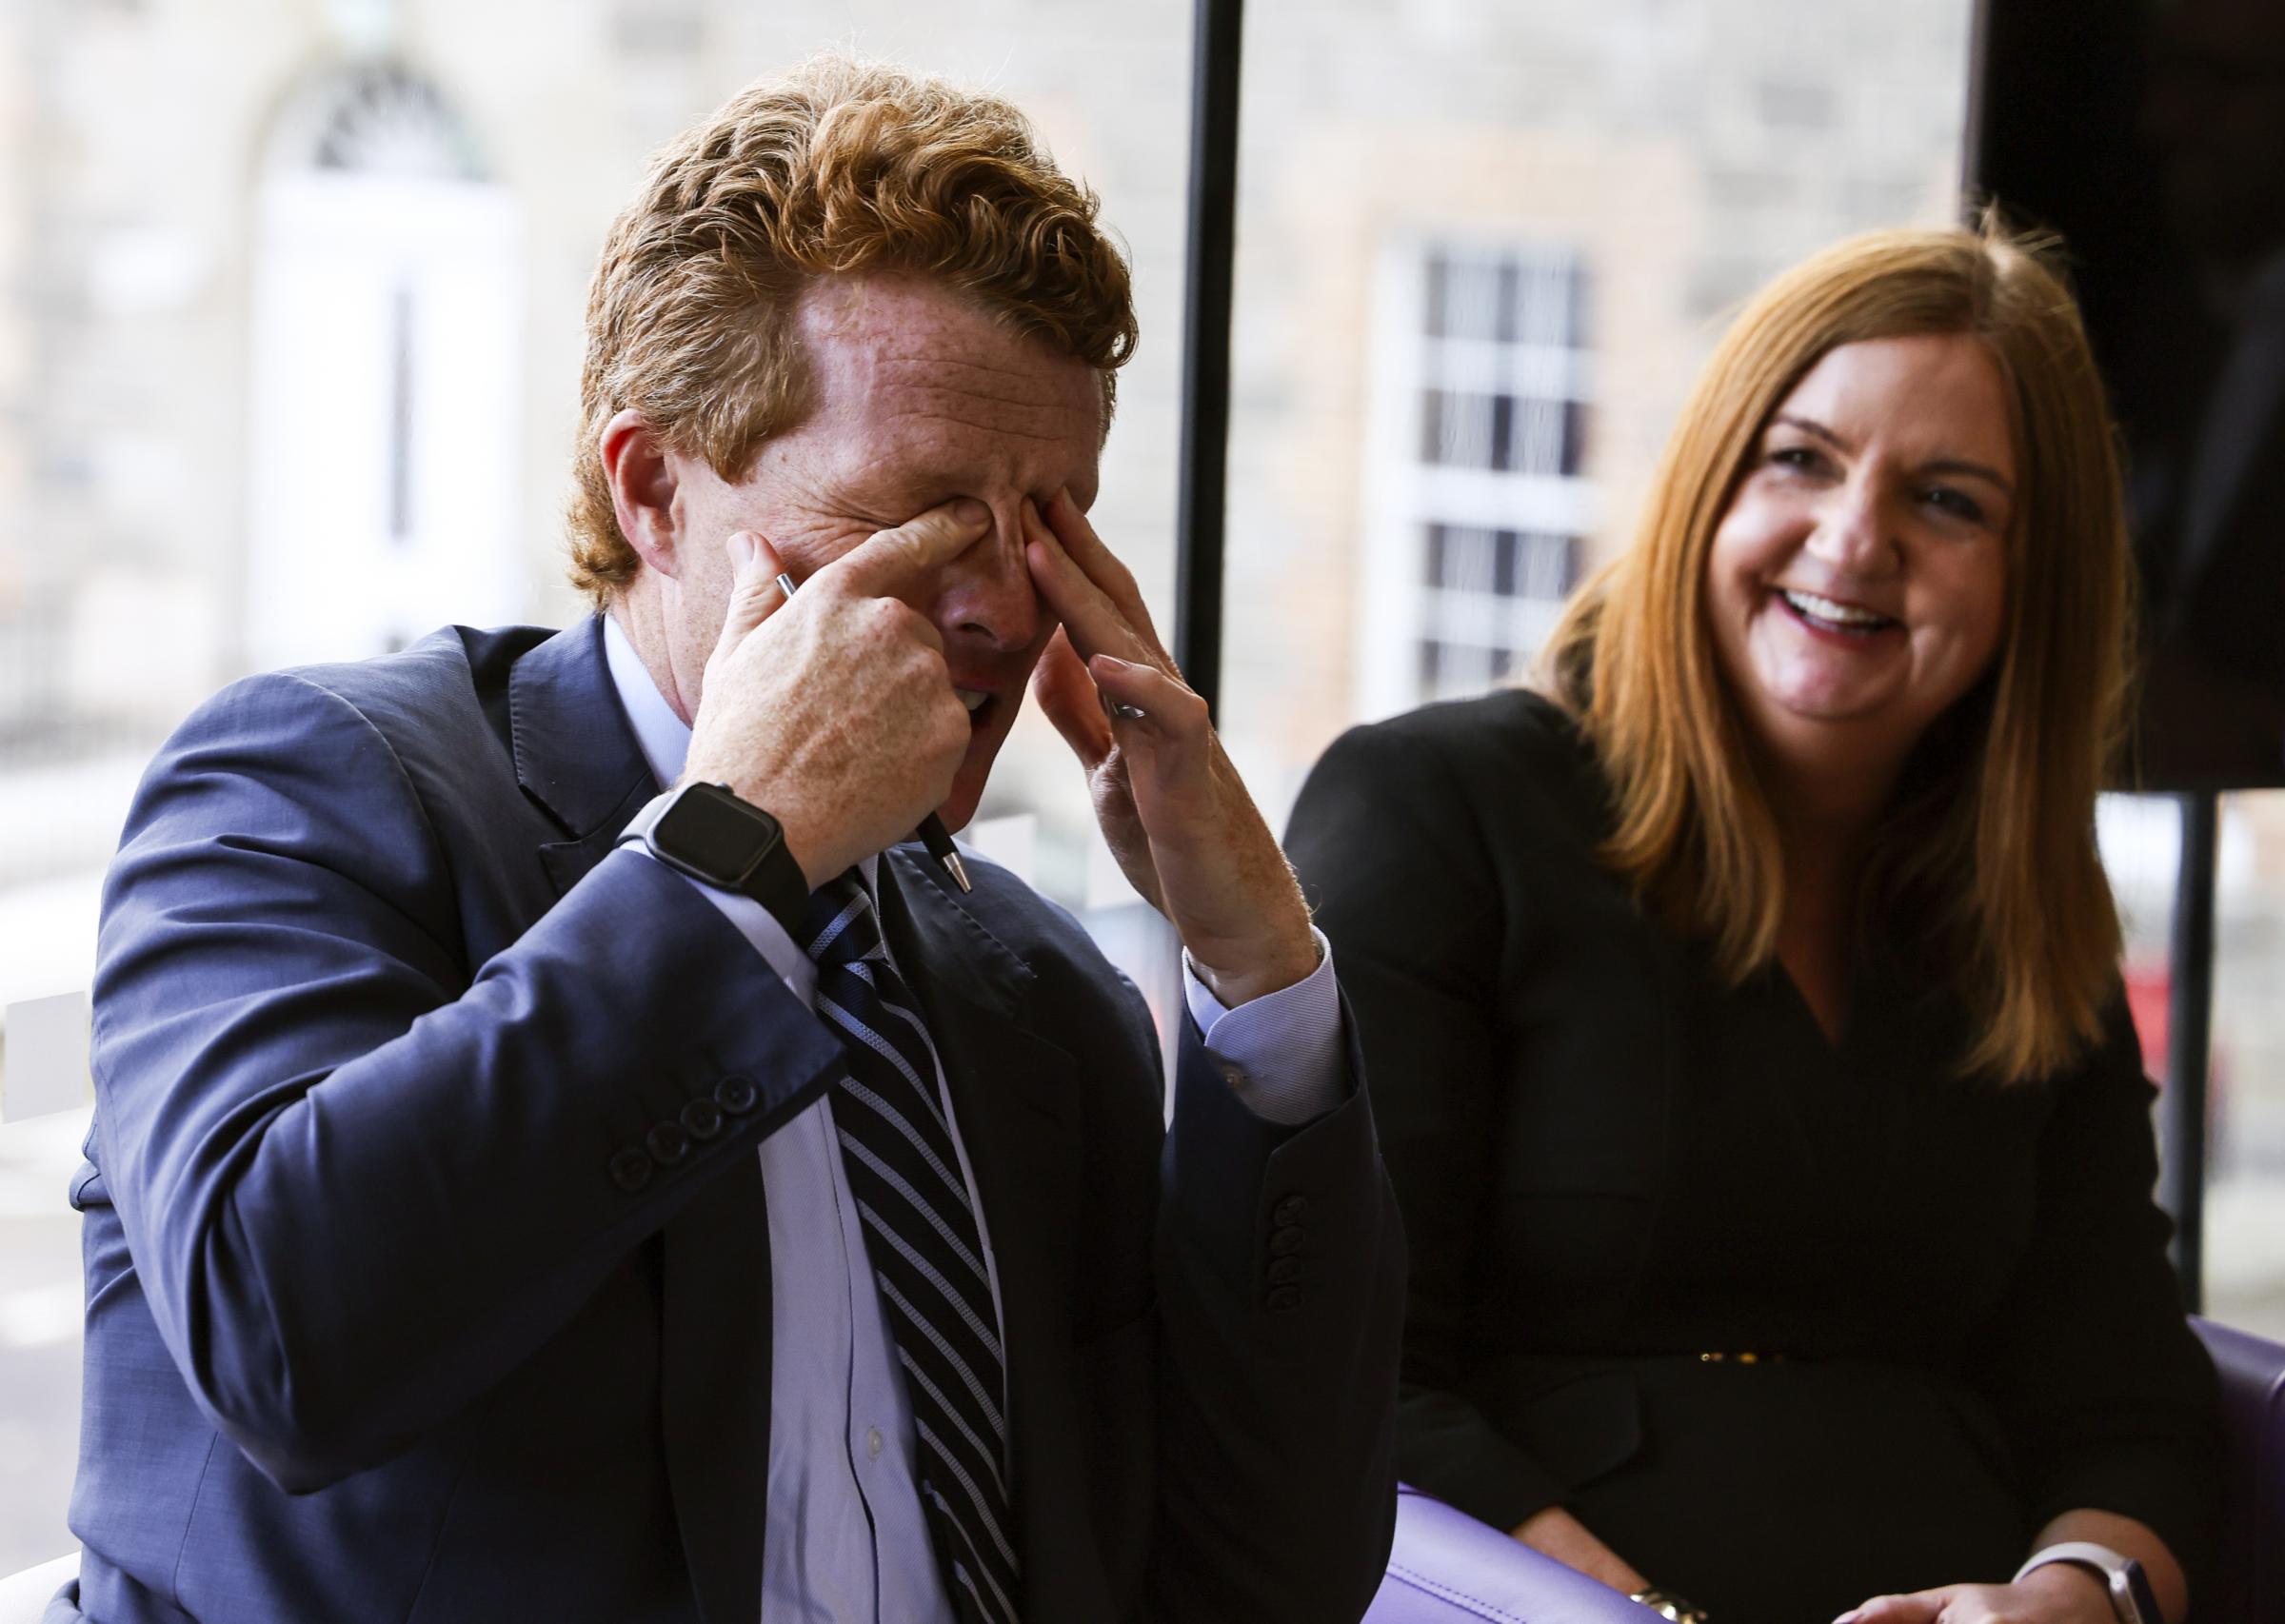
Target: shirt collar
663	737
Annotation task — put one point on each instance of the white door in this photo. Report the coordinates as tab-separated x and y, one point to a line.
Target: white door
386	330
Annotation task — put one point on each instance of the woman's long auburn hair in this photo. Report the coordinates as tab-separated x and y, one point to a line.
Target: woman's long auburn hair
1986	862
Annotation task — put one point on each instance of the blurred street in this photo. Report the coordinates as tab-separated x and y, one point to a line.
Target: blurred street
40	1308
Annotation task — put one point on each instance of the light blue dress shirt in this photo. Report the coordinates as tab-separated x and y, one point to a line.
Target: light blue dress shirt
843	1534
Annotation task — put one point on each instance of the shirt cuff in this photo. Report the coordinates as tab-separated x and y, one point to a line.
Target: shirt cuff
1279	1053
756	924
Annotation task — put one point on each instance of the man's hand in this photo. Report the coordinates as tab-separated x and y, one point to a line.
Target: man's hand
2057	1593
1176	815
836	713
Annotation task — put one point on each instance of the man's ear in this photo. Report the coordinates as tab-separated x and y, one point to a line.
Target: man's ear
643	477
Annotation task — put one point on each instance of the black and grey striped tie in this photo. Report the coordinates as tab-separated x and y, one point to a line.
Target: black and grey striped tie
927	1254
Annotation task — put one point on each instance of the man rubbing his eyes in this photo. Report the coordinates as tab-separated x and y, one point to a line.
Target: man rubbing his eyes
565	1151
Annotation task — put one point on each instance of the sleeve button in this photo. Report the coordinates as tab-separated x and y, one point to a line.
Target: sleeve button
1285	1242
667	1143
702	1119
630	1169
1291	1208
735	1095
1283	1270
1284	1300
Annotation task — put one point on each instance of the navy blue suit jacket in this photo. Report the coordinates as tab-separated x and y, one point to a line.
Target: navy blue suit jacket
378	1329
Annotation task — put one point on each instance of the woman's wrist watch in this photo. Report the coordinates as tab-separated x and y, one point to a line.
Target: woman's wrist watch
2132	1600
1668	1605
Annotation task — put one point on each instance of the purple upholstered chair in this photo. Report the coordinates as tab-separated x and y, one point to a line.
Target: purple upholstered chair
2249	1586
1447	1568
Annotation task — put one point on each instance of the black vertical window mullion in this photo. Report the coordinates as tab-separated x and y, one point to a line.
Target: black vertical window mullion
1202	495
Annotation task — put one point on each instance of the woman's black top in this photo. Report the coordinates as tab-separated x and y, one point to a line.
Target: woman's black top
1787	1323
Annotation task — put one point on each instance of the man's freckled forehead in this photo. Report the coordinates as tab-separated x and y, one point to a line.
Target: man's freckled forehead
916	388
936	400
953	411
1019	380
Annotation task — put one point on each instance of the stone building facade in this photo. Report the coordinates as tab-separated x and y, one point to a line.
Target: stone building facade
1676	152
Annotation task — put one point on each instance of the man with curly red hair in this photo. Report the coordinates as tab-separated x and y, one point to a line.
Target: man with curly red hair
565	1152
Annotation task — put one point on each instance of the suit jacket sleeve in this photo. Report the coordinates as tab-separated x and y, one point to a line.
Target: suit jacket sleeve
1280	1268
2110	1401
1385	838
361	1179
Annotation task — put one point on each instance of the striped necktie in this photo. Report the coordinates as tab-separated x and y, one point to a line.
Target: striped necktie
927	1254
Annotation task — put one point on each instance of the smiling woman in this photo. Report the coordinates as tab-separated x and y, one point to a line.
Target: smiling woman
1872	417
1857	582
1857	586
1744	1013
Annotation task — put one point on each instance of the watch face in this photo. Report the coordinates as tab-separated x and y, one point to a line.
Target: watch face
715	833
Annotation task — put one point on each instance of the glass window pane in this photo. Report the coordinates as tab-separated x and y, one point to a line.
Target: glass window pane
1484	249
2245	1190
2245	1110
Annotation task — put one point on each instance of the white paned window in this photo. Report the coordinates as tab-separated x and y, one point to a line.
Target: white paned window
1477	499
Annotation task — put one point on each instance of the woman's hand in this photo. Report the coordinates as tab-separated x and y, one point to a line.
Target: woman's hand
1556	1533
2057	1593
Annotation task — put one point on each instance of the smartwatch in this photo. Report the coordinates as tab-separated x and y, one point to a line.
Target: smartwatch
2132	1599
707	832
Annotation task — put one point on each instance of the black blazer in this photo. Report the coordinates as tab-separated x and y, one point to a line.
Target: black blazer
1613	1167
403	1307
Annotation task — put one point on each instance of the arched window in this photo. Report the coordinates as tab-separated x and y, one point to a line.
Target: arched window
386	330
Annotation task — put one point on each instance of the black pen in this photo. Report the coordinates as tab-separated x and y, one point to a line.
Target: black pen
932	832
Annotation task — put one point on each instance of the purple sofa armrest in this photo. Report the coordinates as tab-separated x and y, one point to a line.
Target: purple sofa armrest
1447	1568
2249	1586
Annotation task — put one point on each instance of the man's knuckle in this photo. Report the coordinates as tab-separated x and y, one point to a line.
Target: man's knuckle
924	667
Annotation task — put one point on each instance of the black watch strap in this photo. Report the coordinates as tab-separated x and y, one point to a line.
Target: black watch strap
718	839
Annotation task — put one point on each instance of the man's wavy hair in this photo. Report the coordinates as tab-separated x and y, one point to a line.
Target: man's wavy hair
836	168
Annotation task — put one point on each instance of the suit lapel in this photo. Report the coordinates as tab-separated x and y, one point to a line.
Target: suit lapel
1013	1097
577	758
1011	1089
575	752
